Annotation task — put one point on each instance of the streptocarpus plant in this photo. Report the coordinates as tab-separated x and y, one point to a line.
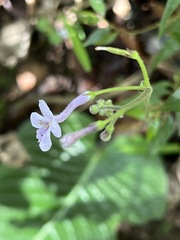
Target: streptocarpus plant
47	122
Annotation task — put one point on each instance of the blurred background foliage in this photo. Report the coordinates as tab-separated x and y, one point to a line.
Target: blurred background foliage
127	188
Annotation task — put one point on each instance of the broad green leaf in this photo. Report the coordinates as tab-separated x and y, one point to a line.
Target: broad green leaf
88	17
82	192
169	48
98	6
109	196
58	163
173	102
11	226
171	5
80	228
101	37
20	201
30	195
79	49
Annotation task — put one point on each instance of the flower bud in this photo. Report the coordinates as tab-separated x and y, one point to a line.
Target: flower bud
93	109
69	139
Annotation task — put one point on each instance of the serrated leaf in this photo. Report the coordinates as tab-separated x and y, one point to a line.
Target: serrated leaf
98	6
109	196
101	37
29	196
173	102
85	192
170	7
80	228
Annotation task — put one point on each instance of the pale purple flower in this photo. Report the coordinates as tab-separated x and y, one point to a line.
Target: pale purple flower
78	101
46	124
69	139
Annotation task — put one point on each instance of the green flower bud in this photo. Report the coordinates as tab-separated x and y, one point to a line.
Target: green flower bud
94	109
105	136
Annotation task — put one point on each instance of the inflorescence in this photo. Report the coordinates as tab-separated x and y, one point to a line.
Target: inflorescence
48	123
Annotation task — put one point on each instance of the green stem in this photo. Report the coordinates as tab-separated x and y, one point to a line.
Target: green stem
113	107
139	99
143	69
117	89
131	54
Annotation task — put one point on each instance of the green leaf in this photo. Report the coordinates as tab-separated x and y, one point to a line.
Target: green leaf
20	190
173	102
79	49
171	5
109	196
98	6
87	17
30	195
173	30
164	130
58	163
169	48
10	227
82	192
101	37
160	89
80	228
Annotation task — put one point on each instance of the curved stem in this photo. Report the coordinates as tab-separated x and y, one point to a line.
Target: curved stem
143	69
139	99
117	89
130	54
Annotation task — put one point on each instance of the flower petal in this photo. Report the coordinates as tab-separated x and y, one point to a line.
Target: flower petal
45	143
55	129
68	140
36	119
78	101
45	110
